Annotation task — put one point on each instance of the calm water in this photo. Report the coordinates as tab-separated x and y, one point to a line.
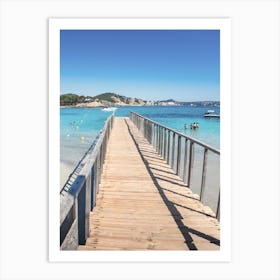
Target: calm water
78	129
80	126
176	116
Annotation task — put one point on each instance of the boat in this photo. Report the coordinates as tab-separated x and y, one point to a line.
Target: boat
109	109
211	114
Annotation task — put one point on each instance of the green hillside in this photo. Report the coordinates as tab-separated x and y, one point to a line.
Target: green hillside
109	96
69	99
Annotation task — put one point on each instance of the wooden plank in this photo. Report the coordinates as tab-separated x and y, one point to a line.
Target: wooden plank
142	204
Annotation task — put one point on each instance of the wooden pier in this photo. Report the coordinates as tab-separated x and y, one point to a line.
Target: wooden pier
143	205
138	202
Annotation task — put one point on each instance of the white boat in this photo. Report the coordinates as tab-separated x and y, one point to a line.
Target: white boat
211	114
109	109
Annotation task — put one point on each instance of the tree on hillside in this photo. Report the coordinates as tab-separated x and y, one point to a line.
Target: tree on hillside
69	99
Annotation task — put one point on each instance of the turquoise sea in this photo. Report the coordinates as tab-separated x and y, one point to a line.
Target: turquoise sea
80	126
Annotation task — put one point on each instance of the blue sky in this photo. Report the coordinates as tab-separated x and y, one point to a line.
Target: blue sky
149	64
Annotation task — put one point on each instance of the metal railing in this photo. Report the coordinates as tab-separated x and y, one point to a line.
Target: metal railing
178	150
78	199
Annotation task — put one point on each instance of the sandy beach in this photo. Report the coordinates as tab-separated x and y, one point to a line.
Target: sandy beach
65	170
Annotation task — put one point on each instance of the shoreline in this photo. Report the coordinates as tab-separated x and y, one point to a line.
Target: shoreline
115	105
84	105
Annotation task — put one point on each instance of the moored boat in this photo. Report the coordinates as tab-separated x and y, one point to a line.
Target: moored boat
109	109
211	114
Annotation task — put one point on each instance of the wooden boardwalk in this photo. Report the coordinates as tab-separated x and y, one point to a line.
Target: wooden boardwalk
143	205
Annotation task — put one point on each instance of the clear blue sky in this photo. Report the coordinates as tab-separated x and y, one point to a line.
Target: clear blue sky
149	64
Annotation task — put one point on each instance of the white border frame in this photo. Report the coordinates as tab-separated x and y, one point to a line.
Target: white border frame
224	25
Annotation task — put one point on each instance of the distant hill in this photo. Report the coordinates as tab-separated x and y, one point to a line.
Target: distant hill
168	100
201	103
109	98
69	99
113	99
101	100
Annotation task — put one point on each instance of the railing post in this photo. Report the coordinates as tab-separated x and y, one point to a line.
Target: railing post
162	141
218	209
165	144
81	200
68	221
149	132
98	170
168	146
204	169
178	155
87	204
185	160
190	163
93	196
155	136
101	159
158	138
173	150
95	179
152	134
145	131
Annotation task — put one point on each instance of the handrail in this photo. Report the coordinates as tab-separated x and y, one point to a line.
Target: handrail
210	148
79	198
168	143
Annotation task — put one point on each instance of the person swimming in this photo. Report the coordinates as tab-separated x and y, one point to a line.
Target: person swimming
194	125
